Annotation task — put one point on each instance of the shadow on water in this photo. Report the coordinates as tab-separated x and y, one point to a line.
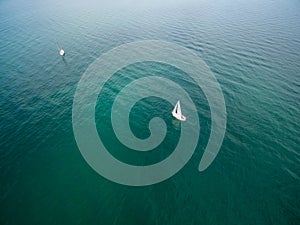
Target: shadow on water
64	60
176	124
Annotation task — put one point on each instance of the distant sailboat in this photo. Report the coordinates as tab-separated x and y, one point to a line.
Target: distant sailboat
60	50
177	112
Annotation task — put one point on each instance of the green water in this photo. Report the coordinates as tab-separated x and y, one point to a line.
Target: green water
253	48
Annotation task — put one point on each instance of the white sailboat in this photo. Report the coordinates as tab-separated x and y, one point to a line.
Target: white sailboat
177	112
60	50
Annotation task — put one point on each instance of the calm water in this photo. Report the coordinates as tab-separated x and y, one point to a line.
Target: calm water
252	47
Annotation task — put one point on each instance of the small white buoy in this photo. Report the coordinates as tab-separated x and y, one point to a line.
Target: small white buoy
62	52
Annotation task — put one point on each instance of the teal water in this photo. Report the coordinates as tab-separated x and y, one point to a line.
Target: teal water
252	47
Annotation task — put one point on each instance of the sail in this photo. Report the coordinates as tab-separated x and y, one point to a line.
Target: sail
175	109
178	109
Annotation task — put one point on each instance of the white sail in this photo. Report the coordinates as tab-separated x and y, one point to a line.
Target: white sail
179	109
175	109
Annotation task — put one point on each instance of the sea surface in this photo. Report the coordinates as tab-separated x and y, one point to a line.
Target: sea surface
252	47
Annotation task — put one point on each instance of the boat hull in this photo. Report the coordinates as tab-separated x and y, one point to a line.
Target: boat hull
179	117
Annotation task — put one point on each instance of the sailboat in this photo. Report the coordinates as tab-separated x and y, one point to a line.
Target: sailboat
177	112
60	50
